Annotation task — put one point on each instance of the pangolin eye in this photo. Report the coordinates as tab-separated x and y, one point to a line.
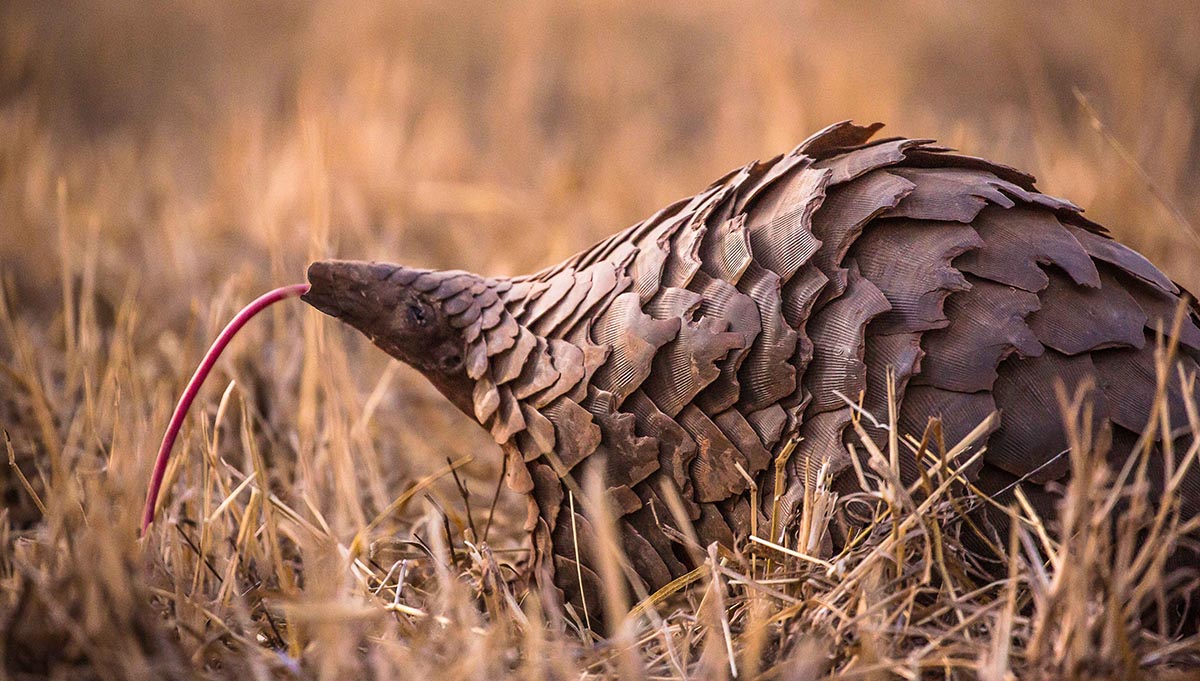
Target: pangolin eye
416	315
451	362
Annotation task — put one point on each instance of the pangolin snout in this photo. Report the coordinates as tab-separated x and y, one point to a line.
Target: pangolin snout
347	289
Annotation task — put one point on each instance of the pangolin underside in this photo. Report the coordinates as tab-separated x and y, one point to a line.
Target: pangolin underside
709	335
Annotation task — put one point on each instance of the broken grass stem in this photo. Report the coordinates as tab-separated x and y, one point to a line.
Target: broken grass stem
193	387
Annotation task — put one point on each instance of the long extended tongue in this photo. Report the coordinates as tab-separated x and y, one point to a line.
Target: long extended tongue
197	380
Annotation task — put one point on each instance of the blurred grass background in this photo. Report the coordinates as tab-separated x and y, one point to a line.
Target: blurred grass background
163	163
501	136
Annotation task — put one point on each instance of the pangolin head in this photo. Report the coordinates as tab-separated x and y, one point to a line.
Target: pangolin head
411	325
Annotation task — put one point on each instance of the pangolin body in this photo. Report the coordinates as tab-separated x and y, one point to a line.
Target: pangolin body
700	341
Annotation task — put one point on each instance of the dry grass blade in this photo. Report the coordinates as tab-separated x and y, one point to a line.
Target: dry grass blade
12	465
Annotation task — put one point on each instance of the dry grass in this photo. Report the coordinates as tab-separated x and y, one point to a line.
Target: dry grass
160	165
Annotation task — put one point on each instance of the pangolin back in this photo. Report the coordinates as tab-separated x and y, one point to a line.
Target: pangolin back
683	353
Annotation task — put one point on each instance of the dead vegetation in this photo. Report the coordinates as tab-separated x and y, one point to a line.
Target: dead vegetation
331	517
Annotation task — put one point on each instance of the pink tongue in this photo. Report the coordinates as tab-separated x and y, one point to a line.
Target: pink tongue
197	380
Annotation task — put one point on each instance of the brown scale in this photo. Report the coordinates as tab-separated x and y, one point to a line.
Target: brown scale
1017	242
849	208
731	322
909	260
837	372
1030	444
766	376
1074	319
781	234
987	324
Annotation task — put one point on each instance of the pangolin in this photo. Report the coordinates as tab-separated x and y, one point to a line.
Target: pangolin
681	355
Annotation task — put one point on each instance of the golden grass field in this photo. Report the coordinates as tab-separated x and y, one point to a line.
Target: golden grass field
161	164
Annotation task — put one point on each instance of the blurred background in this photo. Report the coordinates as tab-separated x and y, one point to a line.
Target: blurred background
163	163
195	136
